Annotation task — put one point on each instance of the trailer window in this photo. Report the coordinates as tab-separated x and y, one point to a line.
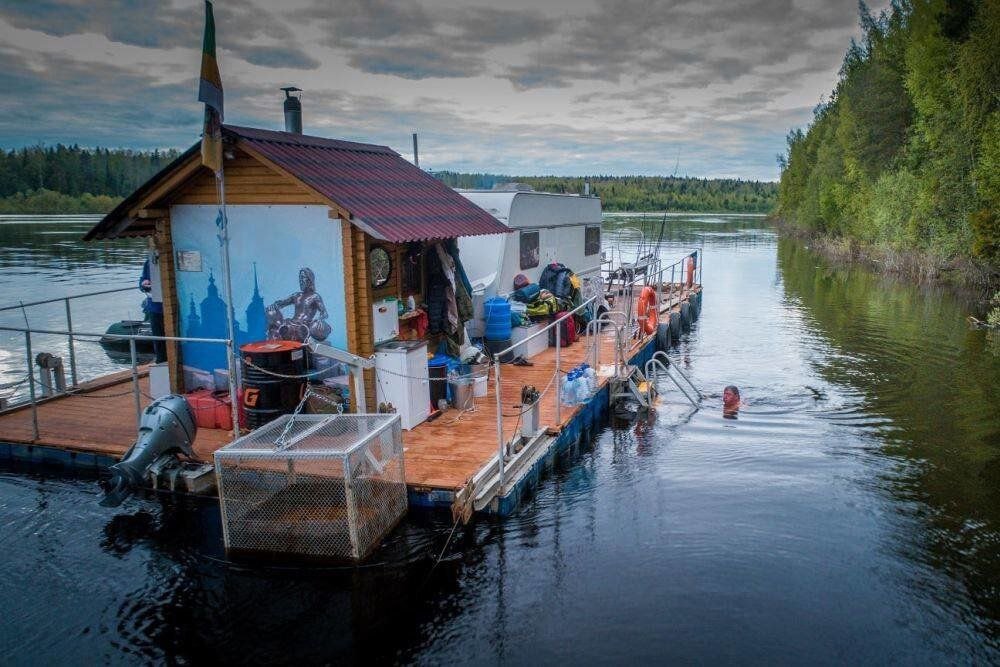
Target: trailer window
529	250
591	241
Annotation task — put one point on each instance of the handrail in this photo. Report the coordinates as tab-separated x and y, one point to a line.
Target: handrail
501	444
67	302
112	336
132	339
66	298
654	363
543	330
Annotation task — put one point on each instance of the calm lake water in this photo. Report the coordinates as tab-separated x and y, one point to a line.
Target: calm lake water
851	513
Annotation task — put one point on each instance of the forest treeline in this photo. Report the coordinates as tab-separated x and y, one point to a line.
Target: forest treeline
905	154
70	179
641	193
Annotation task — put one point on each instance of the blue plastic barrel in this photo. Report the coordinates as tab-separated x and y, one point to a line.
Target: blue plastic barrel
497	313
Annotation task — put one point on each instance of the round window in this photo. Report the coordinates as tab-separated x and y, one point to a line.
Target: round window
380	265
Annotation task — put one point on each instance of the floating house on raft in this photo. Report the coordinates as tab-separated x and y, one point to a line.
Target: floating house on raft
356	221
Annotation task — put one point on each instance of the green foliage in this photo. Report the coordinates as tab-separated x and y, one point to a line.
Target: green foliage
641	193
70	179
48	201
906	153
993	317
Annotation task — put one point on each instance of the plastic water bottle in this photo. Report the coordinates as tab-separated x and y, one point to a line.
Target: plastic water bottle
568	392
591	376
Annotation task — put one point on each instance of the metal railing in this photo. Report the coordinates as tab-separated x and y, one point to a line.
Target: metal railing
661	362
69	318
652	274
33	397
501	443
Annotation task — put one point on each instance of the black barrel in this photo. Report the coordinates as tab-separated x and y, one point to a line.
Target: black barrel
266	394
437	370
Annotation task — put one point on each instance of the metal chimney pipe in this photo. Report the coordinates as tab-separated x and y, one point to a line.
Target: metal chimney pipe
293	110
416	156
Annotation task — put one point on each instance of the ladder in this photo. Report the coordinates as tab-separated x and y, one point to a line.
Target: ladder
661	362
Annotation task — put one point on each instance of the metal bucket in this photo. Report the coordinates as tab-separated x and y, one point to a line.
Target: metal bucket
463	391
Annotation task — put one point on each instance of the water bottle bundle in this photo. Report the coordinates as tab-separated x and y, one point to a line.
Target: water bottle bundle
578	385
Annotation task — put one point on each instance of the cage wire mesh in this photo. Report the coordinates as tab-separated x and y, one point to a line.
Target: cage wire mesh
331	486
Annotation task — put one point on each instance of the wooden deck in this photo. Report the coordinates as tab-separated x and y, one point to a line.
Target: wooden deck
442	454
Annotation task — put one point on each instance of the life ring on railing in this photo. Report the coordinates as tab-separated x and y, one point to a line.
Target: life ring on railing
646	310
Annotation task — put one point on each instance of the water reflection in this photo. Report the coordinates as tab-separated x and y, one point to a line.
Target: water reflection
43	257
850	514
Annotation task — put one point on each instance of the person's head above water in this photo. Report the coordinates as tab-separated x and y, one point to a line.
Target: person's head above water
731	398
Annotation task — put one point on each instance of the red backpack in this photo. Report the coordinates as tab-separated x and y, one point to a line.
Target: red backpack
567	329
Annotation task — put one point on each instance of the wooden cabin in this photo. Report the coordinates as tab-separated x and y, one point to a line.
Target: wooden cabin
358	217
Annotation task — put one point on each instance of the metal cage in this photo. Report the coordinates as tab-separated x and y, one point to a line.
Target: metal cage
327	486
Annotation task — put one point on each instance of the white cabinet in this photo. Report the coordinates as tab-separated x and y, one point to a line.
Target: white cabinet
385	320
401	379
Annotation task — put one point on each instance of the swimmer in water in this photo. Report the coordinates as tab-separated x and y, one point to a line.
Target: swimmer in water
731	401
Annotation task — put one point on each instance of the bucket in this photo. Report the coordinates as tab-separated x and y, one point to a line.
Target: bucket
267	396
480	386
463	392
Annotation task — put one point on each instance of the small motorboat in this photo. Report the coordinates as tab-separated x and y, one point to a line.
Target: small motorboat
119	346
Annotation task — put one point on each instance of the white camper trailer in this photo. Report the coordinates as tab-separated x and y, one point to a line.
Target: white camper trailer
546	228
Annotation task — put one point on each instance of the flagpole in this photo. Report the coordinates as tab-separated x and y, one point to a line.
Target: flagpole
231	351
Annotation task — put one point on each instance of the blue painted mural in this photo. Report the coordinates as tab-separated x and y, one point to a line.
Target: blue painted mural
287	278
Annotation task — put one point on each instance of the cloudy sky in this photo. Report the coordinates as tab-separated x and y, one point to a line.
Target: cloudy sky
693	87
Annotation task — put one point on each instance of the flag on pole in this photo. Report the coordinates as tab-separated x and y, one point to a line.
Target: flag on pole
210	92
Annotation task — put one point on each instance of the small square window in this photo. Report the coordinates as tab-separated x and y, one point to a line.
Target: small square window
529	250
592	241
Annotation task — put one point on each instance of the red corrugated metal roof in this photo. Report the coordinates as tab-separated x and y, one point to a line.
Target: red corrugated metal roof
384	193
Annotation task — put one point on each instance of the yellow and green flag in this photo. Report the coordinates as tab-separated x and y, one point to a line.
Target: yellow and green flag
210	92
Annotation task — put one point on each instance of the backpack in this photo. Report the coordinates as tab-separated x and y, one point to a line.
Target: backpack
542	308
526	294
567	330
557	278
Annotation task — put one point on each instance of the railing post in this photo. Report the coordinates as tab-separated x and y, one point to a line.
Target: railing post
31	386
233	394
135	385
72	346
558	380
500	447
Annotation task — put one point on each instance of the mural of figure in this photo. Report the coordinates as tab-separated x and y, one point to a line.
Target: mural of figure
309	317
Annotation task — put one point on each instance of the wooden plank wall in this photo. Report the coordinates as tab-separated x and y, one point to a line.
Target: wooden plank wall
247	182
365	335
171	304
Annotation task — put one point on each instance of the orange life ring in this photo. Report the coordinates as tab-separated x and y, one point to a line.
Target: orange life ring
647	310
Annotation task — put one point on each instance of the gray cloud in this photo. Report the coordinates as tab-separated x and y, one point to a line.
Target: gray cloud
635	39
409	40
642	82
155	24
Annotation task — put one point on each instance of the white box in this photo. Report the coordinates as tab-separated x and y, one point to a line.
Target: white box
536	345
159	380
402	378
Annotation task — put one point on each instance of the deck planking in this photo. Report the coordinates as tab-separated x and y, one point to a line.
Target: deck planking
441	454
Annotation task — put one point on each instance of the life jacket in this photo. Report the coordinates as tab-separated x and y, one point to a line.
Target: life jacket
557	278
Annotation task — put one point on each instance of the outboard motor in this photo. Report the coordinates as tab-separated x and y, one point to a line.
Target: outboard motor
167	426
